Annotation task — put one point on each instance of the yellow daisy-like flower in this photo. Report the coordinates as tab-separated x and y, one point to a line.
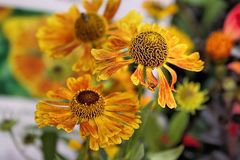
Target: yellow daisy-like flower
157	11
73	31
106	120
74	144
149	46
183	37
189	97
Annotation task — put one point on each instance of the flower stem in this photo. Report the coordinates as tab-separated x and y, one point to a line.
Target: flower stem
19	149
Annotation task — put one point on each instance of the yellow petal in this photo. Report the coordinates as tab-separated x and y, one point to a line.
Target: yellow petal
111	8
92	5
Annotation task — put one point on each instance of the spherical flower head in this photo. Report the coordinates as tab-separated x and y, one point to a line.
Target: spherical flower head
190	97
82	32
219	45
105	120
150	47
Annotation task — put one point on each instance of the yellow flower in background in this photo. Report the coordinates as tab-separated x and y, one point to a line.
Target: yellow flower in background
35	72
183	37
156	10
106	120
189	96
4	12
149	46
74	144
75	31
111	151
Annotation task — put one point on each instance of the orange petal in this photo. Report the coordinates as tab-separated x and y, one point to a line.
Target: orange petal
232	23
103	54
108	69
117	43
61	93
138	76
189	62
118	98
152	80
80	83
173	75
111	8
165	94
92	5
89	127
50	115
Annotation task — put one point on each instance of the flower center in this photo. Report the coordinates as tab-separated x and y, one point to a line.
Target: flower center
90	27
87	104
149	49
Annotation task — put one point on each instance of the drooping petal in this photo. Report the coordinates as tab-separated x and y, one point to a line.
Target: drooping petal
76	84
189	62
152	81
92	5
232	23
111	8
138	76
165	96
60	117
89	127
173	75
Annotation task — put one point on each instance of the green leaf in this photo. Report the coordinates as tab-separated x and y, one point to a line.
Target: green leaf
137	153
177	126
152	133
196	2
49	142
171	154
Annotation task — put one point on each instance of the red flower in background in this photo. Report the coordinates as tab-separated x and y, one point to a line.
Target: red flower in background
191	141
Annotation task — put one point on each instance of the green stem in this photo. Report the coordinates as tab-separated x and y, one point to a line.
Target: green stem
19	149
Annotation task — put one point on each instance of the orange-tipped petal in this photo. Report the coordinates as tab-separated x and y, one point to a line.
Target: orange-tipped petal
173	75
165	96
189	62
76	84
138	76
111	8
235	67
92	5
232	23
152	81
